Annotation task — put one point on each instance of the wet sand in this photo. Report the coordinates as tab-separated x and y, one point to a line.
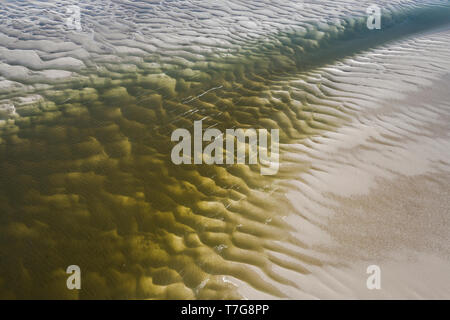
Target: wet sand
86	175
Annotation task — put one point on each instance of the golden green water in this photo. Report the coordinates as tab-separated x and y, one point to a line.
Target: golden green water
86	176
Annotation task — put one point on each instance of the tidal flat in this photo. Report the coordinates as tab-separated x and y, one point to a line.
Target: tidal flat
87	179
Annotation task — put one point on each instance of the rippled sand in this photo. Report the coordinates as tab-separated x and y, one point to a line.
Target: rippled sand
85	170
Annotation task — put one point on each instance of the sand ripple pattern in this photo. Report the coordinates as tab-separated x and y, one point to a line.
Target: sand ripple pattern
86	118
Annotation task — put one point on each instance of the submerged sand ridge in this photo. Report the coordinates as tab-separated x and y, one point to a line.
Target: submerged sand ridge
87	177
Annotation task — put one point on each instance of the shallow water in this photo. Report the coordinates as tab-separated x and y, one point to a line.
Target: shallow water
86	174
